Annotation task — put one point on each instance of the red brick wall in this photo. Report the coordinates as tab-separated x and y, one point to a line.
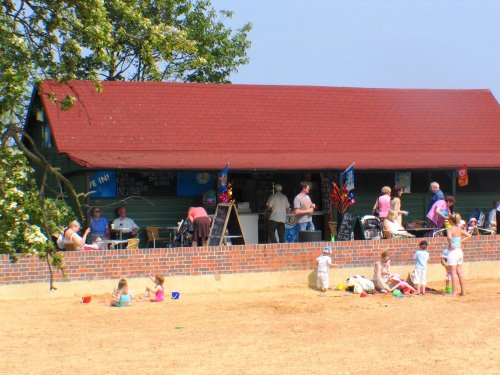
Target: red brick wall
89	265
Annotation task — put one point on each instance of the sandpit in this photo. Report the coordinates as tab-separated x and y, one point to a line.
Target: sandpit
291	329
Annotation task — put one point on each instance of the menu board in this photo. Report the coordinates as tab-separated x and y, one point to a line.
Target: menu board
219	225
350	222
226	226
146	183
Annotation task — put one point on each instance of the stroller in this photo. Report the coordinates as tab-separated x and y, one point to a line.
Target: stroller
183	234
371	227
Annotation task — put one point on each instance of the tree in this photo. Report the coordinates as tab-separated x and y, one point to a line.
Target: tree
39	39
181	40
172	40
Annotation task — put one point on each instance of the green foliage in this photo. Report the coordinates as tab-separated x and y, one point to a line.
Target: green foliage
179	40
21	221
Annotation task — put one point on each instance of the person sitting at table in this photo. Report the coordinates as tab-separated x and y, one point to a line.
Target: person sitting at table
99	226
124	224
201	225
73	241
391	224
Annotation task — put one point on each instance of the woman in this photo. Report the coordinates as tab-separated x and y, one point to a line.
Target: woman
396	193
201	225
383	203
437	216
73	241
456	236
99	226
392	225
381	272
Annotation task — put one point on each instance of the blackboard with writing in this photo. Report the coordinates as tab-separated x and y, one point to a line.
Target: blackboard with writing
146	183
349	228
226	226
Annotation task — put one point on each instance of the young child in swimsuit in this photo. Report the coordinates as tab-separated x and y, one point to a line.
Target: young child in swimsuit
121	296
444	263
403	286
159	292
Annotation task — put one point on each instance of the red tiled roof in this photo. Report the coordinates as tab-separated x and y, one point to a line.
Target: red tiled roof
204	126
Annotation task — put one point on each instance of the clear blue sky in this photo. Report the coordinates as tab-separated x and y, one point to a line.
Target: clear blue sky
371	43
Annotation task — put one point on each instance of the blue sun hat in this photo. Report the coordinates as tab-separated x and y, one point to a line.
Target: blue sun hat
327	250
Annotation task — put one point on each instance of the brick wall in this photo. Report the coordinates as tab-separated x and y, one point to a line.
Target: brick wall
90	265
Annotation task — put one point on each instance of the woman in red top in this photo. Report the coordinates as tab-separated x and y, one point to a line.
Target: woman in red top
201	225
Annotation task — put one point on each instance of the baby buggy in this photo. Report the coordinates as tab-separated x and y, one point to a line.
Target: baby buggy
183	234
371	227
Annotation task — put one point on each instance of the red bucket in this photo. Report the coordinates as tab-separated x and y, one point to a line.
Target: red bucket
86	299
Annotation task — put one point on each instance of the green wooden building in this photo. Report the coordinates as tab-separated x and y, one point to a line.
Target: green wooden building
157	147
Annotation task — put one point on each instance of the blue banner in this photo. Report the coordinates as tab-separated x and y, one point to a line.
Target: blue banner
192	184
349	178
103	184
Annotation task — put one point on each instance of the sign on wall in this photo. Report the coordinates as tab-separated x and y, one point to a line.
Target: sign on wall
403	179
103	184
193	184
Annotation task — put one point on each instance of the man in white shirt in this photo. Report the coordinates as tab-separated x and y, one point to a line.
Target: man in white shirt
126	225
279	206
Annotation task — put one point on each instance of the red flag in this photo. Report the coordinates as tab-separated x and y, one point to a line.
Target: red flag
463	178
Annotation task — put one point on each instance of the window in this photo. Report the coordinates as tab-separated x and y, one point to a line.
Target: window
47	137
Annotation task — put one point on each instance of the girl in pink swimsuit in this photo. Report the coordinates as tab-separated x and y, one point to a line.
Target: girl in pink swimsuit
159	292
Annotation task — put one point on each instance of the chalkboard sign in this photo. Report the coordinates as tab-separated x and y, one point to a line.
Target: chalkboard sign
226	226
350	228
146	183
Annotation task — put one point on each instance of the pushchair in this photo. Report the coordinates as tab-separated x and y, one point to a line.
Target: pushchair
183	234
371	227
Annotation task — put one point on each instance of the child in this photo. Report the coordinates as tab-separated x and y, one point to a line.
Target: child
159	293
121	297
400	284
421	257
324	261
444	262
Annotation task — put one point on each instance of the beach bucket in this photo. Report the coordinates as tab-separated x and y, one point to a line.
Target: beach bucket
176	295
86	299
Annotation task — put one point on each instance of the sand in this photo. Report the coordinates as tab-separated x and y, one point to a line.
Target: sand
291	329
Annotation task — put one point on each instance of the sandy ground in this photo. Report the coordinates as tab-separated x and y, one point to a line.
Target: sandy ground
292	329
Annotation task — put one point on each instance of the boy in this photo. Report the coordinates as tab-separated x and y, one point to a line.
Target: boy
324	261
421	257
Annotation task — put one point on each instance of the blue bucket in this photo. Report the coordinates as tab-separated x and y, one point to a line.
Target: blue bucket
176	295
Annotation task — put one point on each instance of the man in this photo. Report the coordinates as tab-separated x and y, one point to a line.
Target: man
304	208
126	225
438	194
278	206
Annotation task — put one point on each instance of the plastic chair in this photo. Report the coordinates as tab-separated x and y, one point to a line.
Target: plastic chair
154	235
132	244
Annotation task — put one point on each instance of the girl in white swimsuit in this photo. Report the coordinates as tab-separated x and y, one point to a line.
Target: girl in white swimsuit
456	236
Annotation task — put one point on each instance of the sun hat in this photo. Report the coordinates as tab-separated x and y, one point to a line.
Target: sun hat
395	276
327	250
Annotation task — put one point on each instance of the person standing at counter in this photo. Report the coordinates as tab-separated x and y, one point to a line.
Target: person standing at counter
304	208
278	206
201	225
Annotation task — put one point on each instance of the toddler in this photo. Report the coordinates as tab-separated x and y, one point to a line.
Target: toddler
121	296
403	286
420	274
444	262
324	261
159	293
